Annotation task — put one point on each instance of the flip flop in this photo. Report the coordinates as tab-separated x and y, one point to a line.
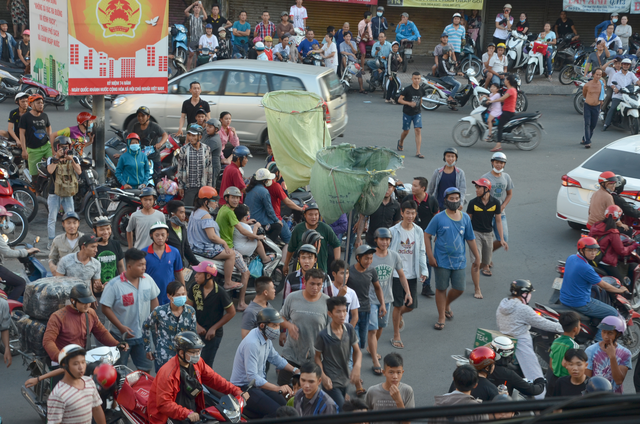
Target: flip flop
397	344
448	314
420	156
400	147
486	272
496	149
361	392
234	287
377	370
439	326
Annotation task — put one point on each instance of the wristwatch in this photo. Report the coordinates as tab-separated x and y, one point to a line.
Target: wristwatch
296	370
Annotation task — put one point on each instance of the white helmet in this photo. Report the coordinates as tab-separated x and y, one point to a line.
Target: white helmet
627	61
68	350
499	156
503	346
259	45
21	95
157	226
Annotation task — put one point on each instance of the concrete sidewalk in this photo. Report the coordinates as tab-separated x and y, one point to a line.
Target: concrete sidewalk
539	85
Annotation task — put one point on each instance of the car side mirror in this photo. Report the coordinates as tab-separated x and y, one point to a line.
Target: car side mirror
173	89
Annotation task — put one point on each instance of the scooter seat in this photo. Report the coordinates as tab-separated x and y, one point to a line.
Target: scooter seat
560	308
526	115
439	81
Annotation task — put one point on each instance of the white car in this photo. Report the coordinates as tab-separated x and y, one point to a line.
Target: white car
622	157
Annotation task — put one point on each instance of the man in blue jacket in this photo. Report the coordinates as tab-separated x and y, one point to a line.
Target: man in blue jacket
379	23
407	30
133	166
602	27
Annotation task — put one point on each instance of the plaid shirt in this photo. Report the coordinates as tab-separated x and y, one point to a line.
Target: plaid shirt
185	168
262	30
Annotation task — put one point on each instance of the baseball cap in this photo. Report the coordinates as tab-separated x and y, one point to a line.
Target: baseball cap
26	32
201	112
444	34
268	38
507	6
284	13
206	266
222	29
209	26
264	174
88	239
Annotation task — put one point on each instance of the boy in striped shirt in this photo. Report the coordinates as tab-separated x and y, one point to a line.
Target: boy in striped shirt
75	399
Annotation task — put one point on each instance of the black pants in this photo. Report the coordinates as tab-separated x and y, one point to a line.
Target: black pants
16	283
190	196
497	41
263	403
392	87
504	118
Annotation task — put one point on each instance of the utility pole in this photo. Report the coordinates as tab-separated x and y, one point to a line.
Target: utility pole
99	140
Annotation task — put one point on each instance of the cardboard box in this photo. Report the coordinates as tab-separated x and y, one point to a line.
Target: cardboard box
484	337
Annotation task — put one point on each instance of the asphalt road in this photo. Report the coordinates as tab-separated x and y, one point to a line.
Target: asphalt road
537	239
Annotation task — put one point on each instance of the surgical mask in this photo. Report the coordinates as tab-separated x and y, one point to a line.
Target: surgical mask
179	300
271	333
452	206
8	226
447	163
268	183
522	20
90	127
134	147
614	20
497	171
379	13
177	221
194	359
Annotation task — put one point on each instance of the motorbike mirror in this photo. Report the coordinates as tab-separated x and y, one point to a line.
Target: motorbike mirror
173	89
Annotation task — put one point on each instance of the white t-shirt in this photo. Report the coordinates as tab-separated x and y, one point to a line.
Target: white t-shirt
208	43
66	404
485	59
279	49
502	34
331	62
243	244
352	299
406	250
498	65
299	14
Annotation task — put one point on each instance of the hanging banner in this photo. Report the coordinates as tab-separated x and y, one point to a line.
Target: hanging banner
635	6
597	6
49	52
364	2
438	4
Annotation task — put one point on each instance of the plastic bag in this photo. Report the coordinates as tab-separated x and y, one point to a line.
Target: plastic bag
256	267
167	186
45	296
32	334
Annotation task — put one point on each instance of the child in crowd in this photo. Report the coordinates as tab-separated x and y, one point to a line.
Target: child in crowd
608	359
570	322
574	383
295	384
307	259
392	394
495	109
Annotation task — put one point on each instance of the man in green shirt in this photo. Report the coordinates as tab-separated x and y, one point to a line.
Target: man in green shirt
312	222
228	221
570	322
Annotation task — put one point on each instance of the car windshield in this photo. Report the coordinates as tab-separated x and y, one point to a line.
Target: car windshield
332	85
616	161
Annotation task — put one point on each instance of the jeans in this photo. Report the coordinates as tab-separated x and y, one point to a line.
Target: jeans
337	394
210	349
591	114
137	352
505	228
54	202
456	85
549	62
612	109
285	233
263	403
596	309
376	73
362	327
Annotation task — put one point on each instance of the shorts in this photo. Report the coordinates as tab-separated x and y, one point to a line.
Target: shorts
408	119
456	276
377	322
398	293
484	243
505	229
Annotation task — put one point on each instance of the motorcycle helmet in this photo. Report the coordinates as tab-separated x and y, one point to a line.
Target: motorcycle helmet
207	192
259	46
157	226
268	316
81	293
626	61
194	129
482	358
364	250
308	248
143	110
597	384
214	122
501	45
613	323
607	177
101	221
382	232
70	215
35	97
241	152
483	182
499	156
450	150
588	243
134	136
61	139
520	287
232	191
206	267
148	191
503	346
272	167
84	117
105	375
187	340
614	211
311	237
309	207
620	183
264	174
450	191
21	96
68	352
4	211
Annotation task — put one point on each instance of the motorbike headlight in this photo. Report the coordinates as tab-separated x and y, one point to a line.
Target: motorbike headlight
118	101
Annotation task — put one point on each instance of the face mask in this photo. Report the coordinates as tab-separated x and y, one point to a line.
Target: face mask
272	334
379	13
90	127
194	359
180	301
614	20
452	206
447	164
268	183
134	147
177	221
497	171
522	20
7	226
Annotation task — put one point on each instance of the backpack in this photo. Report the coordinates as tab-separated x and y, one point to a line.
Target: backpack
66	183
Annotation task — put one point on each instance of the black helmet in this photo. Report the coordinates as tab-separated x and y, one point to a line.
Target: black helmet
61	139
382	232
148	191
597	384
310	237
310	206
144	110
268	316
519	287
364	250
620	183
308	248
82	293
450	150
187	340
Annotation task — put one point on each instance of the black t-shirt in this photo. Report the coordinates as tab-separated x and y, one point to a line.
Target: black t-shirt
209	310
482	215
184	397
427	209
14	118
35	129
564	387
564	27
385	216
216	23
6	53
485	390
190	110
411	94
109	255
521	26
24	48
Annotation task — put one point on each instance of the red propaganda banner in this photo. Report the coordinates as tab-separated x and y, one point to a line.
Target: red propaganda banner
365	2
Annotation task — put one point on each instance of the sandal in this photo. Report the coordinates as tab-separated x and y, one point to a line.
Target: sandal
364	92
419	156
496	149
448	314
400	147
486	272
377	370
397	344
361	392
439	326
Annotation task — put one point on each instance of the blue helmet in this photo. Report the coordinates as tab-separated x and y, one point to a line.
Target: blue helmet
450	191
241	152
598	384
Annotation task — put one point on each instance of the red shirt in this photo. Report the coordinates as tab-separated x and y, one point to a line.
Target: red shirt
231	177
277	196
509	104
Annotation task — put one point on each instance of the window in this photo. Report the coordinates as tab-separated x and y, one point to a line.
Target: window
332	86
209	82
243	83
616	161
281	82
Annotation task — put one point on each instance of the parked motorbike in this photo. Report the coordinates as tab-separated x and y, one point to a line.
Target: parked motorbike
523	129
406	52
22	191
535	64
468	59
574	70
15	307
17	226
626	115
349	74
11	85
578	99
179	48
437	92
517	52
205	55
567	49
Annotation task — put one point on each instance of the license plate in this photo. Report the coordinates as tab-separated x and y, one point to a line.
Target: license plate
112	206
557	283
408	51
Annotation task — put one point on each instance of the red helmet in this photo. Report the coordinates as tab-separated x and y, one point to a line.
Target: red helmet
607	177
105	375
133	135
614	210
84	117
588	243
482	357
483	182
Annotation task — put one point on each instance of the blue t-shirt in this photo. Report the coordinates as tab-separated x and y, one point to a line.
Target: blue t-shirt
306	46
579	276
455	36
162	269
241	27
449	249
446	181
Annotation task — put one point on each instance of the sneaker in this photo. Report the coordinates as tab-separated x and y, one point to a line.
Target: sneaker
426	291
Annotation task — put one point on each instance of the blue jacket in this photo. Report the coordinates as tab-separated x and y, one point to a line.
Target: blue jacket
407	31
378	25
133	169
602	27
12	44
259	202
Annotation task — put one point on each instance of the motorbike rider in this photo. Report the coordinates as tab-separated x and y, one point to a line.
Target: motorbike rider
505	372
22	100
447	72
619	80
133	169
380	51
149	132
483	359
177	391
9	277
612	247
82	134
232	175
515	318
627	208
608	358
437	52
579	276
602	199
281	50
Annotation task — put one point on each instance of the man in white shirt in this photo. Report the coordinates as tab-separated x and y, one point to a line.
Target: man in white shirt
498	64
618	82
299	15
281	50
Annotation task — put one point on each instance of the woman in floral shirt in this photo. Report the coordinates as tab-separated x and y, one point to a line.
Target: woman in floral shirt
166	321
